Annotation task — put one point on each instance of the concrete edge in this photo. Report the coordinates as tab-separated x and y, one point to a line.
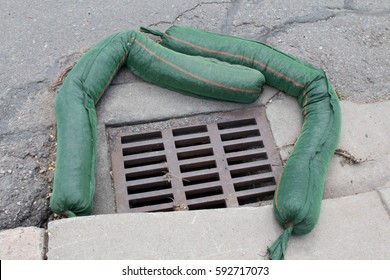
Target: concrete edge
23	243
384	194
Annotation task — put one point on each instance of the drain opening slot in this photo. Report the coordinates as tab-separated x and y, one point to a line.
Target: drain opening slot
250	170
141	137
254	183
236	123
242	146
240	135
196	166
149	185
131	162
208	205
204	192
145	172
152	147
148	201
195	153
200	179
254	155
192	142
189	130
255	198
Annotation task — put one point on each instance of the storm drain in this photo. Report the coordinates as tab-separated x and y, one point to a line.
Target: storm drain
227	162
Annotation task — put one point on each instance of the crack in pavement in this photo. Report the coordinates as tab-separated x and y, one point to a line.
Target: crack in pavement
309	18
361	11
228	21
183	13
349	4
227	26
38	130
321	15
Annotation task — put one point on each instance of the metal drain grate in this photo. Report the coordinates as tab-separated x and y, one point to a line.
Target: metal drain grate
226	163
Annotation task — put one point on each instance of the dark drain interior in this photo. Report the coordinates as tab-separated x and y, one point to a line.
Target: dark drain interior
226	163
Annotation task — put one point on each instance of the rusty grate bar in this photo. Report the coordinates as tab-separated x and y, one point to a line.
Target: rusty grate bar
226	163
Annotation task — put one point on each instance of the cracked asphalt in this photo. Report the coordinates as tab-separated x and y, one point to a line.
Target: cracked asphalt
349	39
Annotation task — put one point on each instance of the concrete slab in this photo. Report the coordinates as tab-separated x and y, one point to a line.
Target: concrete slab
205	234
285	117
23	243
354	227
143	102
363	134
343	179
365	129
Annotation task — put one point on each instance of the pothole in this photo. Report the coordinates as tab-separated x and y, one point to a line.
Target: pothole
201	162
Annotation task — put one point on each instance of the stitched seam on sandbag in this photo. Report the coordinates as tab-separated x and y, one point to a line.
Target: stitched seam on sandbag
241	57
306	102
192	74
120	63
92	60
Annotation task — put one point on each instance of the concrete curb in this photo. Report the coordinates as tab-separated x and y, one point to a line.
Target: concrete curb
353	227
23	243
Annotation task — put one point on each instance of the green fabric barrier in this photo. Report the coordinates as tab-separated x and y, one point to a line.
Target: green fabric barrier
75	175
297	200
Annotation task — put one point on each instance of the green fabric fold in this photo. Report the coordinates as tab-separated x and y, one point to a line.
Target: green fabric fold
277	250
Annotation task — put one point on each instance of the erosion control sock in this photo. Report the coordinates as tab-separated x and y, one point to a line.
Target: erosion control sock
75	174
277	249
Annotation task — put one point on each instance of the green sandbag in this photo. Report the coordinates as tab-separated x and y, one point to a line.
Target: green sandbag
297	200
74	181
